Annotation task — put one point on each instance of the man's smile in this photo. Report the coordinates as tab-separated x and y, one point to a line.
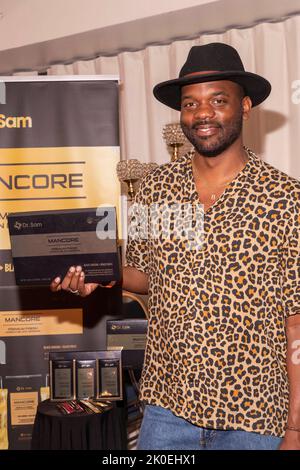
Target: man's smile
206	129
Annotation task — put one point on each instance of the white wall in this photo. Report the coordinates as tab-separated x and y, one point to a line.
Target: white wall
26	22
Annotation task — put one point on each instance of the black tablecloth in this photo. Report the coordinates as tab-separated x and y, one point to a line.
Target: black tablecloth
53	430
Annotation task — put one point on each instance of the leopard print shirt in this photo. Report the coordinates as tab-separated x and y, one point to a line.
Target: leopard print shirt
216	346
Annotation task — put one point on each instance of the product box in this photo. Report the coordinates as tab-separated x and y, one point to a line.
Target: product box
86	373
45	244
129	335
62	381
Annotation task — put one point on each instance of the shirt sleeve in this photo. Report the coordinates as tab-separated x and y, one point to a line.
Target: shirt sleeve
137	249
291	278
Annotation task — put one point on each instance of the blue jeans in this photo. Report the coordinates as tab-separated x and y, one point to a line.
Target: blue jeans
162	430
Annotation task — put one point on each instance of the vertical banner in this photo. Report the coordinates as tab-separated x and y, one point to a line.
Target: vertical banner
59	146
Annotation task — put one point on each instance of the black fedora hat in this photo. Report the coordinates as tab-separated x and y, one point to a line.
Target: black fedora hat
214	61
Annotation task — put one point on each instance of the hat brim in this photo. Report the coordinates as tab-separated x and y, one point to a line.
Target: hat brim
255	86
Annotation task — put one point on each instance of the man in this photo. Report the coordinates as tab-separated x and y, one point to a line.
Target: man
221	366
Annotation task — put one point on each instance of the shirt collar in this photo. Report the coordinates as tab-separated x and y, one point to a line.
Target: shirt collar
246	177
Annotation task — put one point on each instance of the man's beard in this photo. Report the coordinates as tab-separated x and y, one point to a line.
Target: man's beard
227	135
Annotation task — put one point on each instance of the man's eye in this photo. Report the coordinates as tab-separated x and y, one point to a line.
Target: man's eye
189	104
219	101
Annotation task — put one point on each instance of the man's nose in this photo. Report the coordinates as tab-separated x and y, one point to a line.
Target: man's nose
204	111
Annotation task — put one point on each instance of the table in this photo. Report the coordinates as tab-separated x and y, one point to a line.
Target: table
54	431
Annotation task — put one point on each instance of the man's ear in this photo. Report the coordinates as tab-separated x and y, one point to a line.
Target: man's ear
247	106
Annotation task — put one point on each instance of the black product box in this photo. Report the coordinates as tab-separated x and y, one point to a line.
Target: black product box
45	244
130	335
62	375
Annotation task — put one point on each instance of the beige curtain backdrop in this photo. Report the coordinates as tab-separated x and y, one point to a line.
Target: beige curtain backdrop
269	49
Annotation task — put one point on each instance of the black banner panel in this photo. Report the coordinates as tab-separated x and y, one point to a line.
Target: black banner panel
59	146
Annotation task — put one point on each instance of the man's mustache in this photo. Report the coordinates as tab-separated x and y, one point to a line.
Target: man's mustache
205	124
